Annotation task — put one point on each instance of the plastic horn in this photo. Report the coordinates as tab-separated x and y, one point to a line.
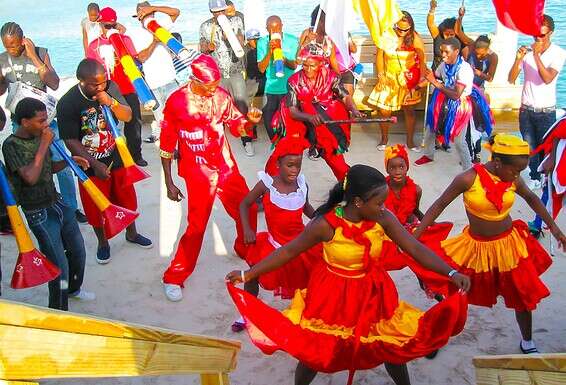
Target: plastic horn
392	119
32	268
145	94
278	56
115	218
230	35
131	172
166	38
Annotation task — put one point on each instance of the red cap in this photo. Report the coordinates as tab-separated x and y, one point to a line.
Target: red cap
107	15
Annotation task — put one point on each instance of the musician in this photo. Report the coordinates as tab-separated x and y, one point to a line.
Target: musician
213	42
24	62
30	170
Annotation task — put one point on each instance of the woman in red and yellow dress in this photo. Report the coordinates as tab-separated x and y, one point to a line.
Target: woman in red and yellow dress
499	254
350	316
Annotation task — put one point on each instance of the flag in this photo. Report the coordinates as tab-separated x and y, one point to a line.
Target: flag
338	19
524	16
380	16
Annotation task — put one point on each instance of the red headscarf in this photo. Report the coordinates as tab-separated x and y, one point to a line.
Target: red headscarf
290	145
396	151
205	69
312	51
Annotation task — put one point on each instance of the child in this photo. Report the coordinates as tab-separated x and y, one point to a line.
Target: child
30	170
285	200
350	317
499	254
404	195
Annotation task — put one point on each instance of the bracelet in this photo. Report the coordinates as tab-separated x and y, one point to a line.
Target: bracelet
114	103
452	272
243	276
42	68
165	154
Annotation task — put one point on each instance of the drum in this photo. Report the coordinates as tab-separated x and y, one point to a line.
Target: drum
18	91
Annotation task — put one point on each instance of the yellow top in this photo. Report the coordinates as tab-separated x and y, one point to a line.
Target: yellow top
347	254
476	202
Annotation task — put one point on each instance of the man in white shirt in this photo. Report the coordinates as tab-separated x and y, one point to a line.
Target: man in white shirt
456	84
541	63
159	71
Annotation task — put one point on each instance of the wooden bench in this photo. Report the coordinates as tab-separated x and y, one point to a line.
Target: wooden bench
38	343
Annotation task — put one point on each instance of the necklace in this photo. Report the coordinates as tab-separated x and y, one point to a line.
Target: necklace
82	93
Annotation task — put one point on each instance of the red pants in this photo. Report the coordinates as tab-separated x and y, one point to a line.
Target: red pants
113	189
202	187
337	164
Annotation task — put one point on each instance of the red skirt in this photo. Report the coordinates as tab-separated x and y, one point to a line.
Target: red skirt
507	265
349	321
288	278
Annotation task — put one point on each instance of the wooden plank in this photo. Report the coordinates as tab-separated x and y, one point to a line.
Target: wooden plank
17	314
2	382
39	354
485	376
553	362
215	379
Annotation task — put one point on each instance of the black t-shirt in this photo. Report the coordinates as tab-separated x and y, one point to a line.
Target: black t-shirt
81	118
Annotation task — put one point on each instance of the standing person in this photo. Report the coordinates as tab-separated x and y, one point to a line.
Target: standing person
213	42
275	87
31	65
30	170
157	63
84	130
90	26
194	119
350	316
541	66
454	106
101	50
285	200
255	80
499	254
317	95
445	30
399	75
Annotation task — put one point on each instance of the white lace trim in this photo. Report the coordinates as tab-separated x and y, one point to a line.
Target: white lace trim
291	201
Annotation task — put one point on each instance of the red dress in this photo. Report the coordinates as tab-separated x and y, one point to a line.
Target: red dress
284	217
350	316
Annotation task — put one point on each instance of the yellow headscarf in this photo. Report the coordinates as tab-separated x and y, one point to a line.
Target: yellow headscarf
506	144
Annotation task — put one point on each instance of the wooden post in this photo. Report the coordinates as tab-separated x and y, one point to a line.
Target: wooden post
214	379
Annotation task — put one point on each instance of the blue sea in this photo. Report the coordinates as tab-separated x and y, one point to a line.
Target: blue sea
55	24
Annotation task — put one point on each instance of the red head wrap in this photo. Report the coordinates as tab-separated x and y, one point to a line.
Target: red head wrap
290	145
205	69
312	51
396	151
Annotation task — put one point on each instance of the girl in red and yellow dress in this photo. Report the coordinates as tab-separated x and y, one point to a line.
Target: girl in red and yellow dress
350	317
499	254
285	200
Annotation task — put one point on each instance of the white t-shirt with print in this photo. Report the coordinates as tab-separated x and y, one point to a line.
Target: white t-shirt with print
464	76
158	69
536	93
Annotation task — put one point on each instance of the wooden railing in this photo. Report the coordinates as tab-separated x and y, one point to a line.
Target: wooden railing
38	343
520	369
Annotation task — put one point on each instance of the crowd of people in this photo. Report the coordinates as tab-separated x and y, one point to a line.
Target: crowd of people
345	313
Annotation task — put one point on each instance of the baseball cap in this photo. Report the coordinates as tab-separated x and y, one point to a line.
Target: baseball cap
107	15
253	34
217	5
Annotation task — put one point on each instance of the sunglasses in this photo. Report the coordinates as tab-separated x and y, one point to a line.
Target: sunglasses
401	29
109	26
542	35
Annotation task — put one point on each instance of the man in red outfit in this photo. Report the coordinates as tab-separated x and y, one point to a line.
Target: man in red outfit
194	119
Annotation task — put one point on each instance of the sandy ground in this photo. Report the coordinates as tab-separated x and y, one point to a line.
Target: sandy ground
129	287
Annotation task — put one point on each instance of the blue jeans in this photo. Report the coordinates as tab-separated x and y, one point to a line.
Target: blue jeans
544	198
533	126
61	241
65	177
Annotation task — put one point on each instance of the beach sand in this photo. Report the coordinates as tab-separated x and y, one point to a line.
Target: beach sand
129	288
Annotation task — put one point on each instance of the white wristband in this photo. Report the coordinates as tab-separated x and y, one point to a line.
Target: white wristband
452	272
243	276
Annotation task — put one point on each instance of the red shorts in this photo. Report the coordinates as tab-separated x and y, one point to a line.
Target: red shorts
115	191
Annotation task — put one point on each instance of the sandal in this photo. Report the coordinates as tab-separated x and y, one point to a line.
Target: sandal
528	351
238	326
